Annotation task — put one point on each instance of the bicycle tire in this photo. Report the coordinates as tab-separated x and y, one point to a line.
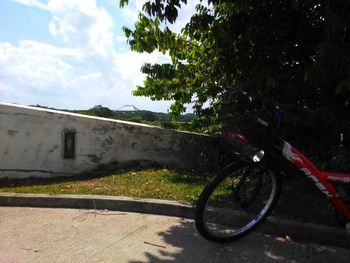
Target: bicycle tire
206	213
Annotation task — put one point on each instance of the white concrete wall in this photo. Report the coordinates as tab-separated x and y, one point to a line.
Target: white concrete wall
31	144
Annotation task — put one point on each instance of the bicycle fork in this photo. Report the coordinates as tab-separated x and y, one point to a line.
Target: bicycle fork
237	193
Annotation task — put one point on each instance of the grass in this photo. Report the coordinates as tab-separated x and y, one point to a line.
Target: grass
149	183
297	196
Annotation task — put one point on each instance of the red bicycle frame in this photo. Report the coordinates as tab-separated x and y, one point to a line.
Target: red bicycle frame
324	181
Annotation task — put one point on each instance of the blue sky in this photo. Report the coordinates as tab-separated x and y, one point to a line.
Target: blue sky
72	54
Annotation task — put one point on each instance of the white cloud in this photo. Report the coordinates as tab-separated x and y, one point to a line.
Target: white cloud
184	17
128	64
86	70
121	39
53	77
36	48
33	3
37	64
82	24
5	91
133	9
37	73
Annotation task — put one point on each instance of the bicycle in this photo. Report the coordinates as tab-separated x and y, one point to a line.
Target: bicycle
243	194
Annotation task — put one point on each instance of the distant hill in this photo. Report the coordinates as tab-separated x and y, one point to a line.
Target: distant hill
156	118
186	122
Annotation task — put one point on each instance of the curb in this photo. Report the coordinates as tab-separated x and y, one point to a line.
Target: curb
100	202
298	231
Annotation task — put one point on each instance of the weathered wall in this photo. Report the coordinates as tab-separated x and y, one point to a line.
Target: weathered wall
32	144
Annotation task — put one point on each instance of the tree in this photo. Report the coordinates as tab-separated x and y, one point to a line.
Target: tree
148	116
101	111
297	53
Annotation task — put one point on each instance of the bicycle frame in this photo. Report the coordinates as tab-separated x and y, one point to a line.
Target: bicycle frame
323	180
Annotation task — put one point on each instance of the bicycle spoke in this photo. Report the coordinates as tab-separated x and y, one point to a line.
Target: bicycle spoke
236	203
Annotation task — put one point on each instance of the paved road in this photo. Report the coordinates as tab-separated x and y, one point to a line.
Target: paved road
72	235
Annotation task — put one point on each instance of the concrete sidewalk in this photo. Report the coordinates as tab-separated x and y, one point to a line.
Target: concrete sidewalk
72	235
325	235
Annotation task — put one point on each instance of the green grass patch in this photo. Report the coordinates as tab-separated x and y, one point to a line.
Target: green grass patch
149	183
297	197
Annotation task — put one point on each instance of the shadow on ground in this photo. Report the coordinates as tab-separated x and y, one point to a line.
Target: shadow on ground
183	244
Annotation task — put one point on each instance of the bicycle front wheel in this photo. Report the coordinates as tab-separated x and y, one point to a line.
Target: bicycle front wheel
236	201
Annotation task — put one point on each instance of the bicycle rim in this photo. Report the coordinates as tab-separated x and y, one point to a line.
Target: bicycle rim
238	202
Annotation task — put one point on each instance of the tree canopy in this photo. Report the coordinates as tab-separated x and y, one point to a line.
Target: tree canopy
295	52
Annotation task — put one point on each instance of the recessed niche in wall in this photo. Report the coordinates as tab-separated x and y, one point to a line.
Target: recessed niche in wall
69	140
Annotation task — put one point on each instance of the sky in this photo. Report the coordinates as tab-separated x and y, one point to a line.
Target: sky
72	54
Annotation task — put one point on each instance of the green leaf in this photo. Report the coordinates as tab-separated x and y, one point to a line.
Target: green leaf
295	53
